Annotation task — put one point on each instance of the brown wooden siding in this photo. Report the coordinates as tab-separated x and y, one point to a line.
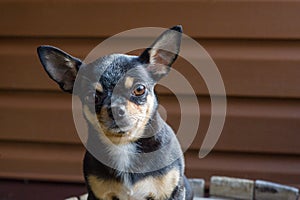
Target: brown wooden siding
255	44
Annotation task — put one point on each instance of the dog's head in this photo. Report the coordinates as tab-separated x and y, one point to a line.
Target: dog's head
121	100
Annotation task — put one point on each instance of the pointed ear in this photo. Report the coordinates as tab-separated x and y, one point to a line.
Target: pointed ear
60	66
163	52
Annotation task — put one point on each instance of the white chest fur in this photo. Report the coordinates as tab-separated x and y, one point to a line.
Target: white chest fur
121	156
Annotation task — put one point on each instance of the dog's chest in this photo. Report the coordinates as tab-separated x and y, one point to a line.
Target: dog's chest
121	157
150	187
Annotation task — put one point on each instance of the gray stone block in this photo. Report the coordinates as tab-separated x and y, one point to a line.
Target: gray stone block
221	198
72	198
83	197
234	188
198	186
210	198
265	190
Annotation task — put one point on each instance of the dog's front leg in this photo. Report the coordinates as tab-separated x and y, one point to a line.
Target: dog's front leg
178	194
91	196
183	191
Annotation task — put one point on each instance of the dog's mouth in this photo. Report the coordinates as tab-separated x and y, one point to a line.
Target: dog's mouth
120	133
120	128
123	131
117	128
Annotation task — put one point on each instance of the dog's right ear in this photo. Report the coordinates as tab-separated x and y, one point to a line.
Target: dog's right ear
163	52
60	66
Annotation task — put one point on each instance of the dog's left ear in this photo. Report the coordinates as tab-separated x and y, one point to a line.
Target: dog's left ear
162	53
60	66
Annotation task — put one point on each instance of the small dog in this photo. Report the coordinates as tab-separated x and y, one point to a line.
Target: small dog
124	125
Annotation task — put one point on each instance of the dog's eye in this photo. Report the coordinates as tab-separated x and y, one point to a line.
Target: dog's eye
139	90
92	98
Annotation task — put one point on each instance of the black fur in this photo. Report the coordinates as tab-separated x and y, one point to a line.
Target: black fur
144	70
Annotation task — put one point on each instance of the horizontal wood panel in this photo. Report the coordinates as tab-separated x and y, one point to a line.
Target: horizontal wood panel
37	117
252	125
210	19
277	168
51	162
56	162
248	68
46	190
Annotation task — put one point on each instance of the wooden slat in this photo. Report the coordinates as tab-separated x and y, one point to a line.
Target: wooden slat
212	19
37	117
46	190
252	125
248	68
51	162
23	68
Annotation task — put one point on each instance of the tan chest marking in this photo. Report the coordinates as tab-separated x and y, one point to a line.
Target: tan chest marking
159	188
106	190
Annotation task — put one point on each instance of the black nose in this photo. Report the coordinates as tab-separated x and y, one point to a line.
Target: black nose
121	112
118	112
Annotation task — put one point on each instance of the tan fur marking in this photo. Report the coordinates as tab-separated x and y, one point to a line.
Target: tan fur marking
142	114
91	118
99	87
149	105
104	189
128	82
95	122
157	187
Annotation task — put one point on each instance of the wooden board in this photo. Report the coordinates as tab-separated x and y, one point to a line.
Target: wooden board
209	19
248	68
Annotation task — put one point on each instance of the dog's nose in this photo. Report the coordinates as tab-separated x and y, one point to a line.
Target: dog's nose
118	111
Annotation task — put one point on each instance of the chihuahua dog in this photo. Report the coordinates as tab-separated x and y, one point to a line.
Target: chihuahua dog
143	158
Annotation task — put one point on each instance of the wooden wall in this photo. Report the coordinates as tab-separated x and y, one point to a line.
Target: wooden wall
255	44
